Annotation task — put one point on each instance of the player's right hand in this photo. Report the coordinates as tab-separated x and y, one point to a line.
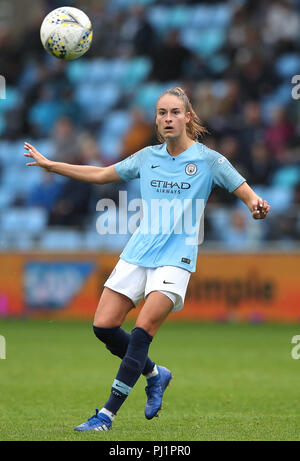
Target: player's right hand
40	160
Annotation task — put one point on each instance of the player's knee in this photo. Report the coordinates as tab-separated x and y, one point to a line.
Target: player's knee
104	334
111	338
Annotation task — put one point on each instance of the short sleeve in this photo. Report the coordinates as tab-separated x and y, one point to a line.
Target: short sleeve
225	175
129	168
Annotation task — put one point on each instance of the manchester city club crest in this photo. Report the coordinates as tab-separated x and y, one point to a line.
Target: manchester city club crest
191	169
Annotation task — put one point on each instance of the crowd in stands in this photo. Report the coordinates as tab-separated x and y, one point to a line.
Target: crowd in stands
235	59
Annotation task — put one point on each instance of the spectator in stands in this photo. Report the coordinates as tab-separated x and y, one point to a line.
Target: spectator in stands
207	105
139	134
44	112
230	148
138	32
254	71
281	22
170	59
66	140
45	194
279	133
72	207
261	164
251	129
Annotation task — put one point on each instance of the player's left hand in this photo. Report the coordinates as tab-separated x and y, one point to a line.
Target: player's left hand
260	209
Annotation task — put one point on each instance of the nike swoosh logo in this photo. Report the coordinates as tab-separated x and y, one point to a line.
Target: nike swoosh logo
154	166
170	283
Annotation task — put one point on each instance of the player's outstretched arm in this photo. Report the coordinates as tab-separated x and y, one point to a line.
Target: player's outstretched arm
257	206
93	174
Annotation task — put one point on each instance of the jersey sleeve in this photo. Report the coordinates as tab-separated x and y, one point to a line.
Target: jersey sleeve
129	168
225	175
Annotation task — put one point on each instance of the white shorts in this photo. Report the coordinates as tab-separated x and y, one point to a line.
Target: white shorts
137	282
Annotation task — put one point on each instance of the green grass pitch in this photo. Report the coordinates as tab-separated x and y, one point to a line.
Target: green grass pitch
231	382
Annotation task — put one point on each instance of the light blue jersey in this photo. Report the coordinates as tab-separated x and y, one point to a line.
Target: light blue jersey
174	192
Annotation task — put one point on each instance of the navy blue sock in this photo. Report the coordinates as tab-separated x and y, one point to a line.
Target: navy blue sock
117	341
130	369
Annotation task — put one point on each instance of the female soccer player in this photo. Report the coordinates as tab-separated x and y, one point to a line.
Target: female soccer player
155	265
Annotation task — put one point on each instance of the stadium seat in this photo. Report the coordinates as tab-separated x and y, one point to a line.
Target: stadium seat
16	241
7	197
22	220
61	239
137	70
286	178
116	124
203	42
222	14
158	18
11	99
179	17
92	241
110	148
77	71
219	219
21	181
288	65
96	99
149	92
277	196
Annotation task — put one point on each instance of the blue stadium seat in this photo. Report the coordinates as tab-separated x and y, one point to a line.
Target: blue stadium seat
203	42
116	124
222	14
96	99
7	197
92	241
286	177
116	5
11	100
179	17
77	71
158	18
219	219
147	93
21	179
20	220
136	71
110	148
277	196
111	133
288	65
98	71
16	241
61	239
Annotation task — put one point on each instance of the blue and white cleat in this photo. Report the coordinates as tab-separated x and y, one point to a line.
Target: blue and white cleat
98	422
155	391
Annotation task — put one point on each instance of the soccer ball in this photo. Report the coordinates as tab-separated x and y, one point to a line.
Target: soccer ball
66	33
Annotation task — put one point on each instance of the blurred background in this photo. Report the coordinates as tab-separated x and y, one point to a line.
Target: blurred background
235	59
240	322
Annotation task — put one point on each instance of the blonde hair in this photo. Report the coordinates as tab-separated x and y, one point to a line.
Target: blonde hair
194	127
